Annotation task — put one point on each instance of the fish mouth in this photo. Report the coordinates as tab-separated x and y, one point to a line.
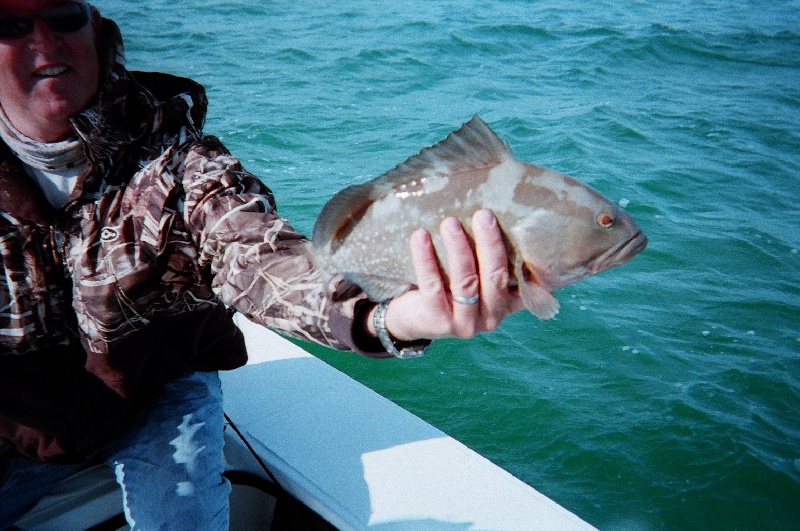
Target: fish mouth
621	253
614	256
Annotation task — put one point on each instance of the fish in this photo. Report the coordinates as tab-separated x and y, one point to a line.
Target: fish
557	230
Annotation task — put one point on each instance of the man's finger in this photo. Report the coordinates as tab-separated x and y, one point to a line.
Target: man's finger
426	264
492	257
465	286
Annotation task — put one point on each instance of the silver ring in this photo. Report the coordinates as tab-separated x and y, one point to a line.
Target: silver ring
466	300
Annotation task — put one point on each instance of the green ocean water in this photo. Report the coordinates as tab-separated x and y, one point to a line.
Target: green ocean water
666	394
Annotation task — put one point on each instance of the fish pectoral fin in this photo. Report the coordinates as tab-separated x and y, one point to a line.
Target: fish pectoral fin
538	300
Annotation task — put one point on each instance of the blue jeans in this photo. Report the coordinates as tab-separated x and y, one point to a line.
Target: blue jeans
168	463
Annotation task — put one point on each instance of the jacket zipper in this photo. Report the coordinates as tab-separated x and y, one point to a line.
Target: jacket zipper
60	241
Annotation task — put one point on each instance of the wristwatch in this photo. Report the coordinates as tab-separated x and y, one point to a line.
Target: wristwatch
398	349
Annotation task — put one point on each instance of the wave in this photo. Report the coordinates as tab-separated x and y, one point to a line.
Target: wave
664	44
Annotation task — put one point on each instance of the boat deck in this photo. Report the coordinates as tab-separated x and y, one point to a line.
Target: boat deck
352	456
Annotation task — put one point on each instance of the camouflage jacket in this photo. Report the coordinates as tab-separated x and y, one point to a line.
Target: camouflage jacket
131	283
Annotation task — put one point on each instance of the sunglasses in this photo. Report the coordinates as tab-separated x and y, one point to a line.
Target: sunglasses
63	18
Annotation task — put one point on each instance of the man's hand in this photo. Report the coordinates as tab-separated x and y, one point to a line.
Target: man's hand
476	297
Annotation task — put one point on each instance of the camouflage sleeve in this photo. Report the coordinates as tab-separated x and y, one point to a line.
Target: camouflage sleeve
254	255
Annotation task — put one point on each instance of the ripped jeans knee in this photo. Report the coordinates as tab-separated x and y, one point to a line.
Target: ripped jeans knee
169	463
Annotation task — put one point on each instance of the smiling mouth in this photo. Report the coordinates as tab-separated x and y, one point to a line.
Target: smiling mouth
53	71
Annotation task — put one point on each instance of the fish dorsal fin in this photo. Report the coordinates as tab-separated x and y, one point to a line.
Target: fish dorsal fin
471	147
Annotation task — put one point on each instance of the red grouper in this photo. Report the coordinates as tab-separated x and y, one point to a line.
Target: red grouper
557	229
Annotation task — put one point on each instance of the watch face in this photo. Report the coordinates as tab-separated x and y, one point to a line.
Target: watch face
408	349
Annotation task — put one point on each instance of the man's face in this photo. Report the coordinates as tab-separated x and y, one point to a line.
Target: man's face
46	76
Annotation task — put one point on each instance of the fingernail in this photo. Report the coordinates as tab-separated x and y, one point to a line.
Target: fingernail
418	236
452	225
485	217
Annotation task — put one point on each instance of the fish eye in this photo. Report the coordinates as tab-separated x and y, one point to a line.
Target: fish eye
605	220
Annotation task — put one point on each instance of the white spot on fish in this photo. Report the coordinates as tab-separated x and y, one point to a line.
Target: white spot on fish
533	219
500	184
434	184
624	202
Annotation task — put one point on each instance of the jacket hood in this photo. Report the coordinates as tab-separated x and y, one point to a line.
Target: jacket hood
130	108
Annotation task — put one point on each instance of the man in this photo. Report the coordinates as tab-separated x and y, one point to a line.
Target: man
125	236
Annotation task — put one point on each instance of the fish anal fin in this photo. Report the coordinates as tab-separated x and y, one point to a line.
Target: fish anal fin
376	287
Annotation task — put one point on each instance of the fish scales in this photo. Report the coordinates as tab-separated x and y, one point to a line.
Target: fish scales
557	229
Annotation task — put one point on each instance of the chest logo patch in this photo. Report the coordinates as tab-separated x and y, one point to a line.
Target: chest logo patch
108	234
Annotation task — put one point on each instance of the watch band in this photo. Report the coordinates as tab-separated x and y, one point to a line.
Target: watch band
401	349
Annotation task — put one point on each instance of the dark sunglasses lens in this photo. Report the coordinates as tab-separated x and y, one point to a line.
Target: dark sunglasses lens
66	18
12	27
